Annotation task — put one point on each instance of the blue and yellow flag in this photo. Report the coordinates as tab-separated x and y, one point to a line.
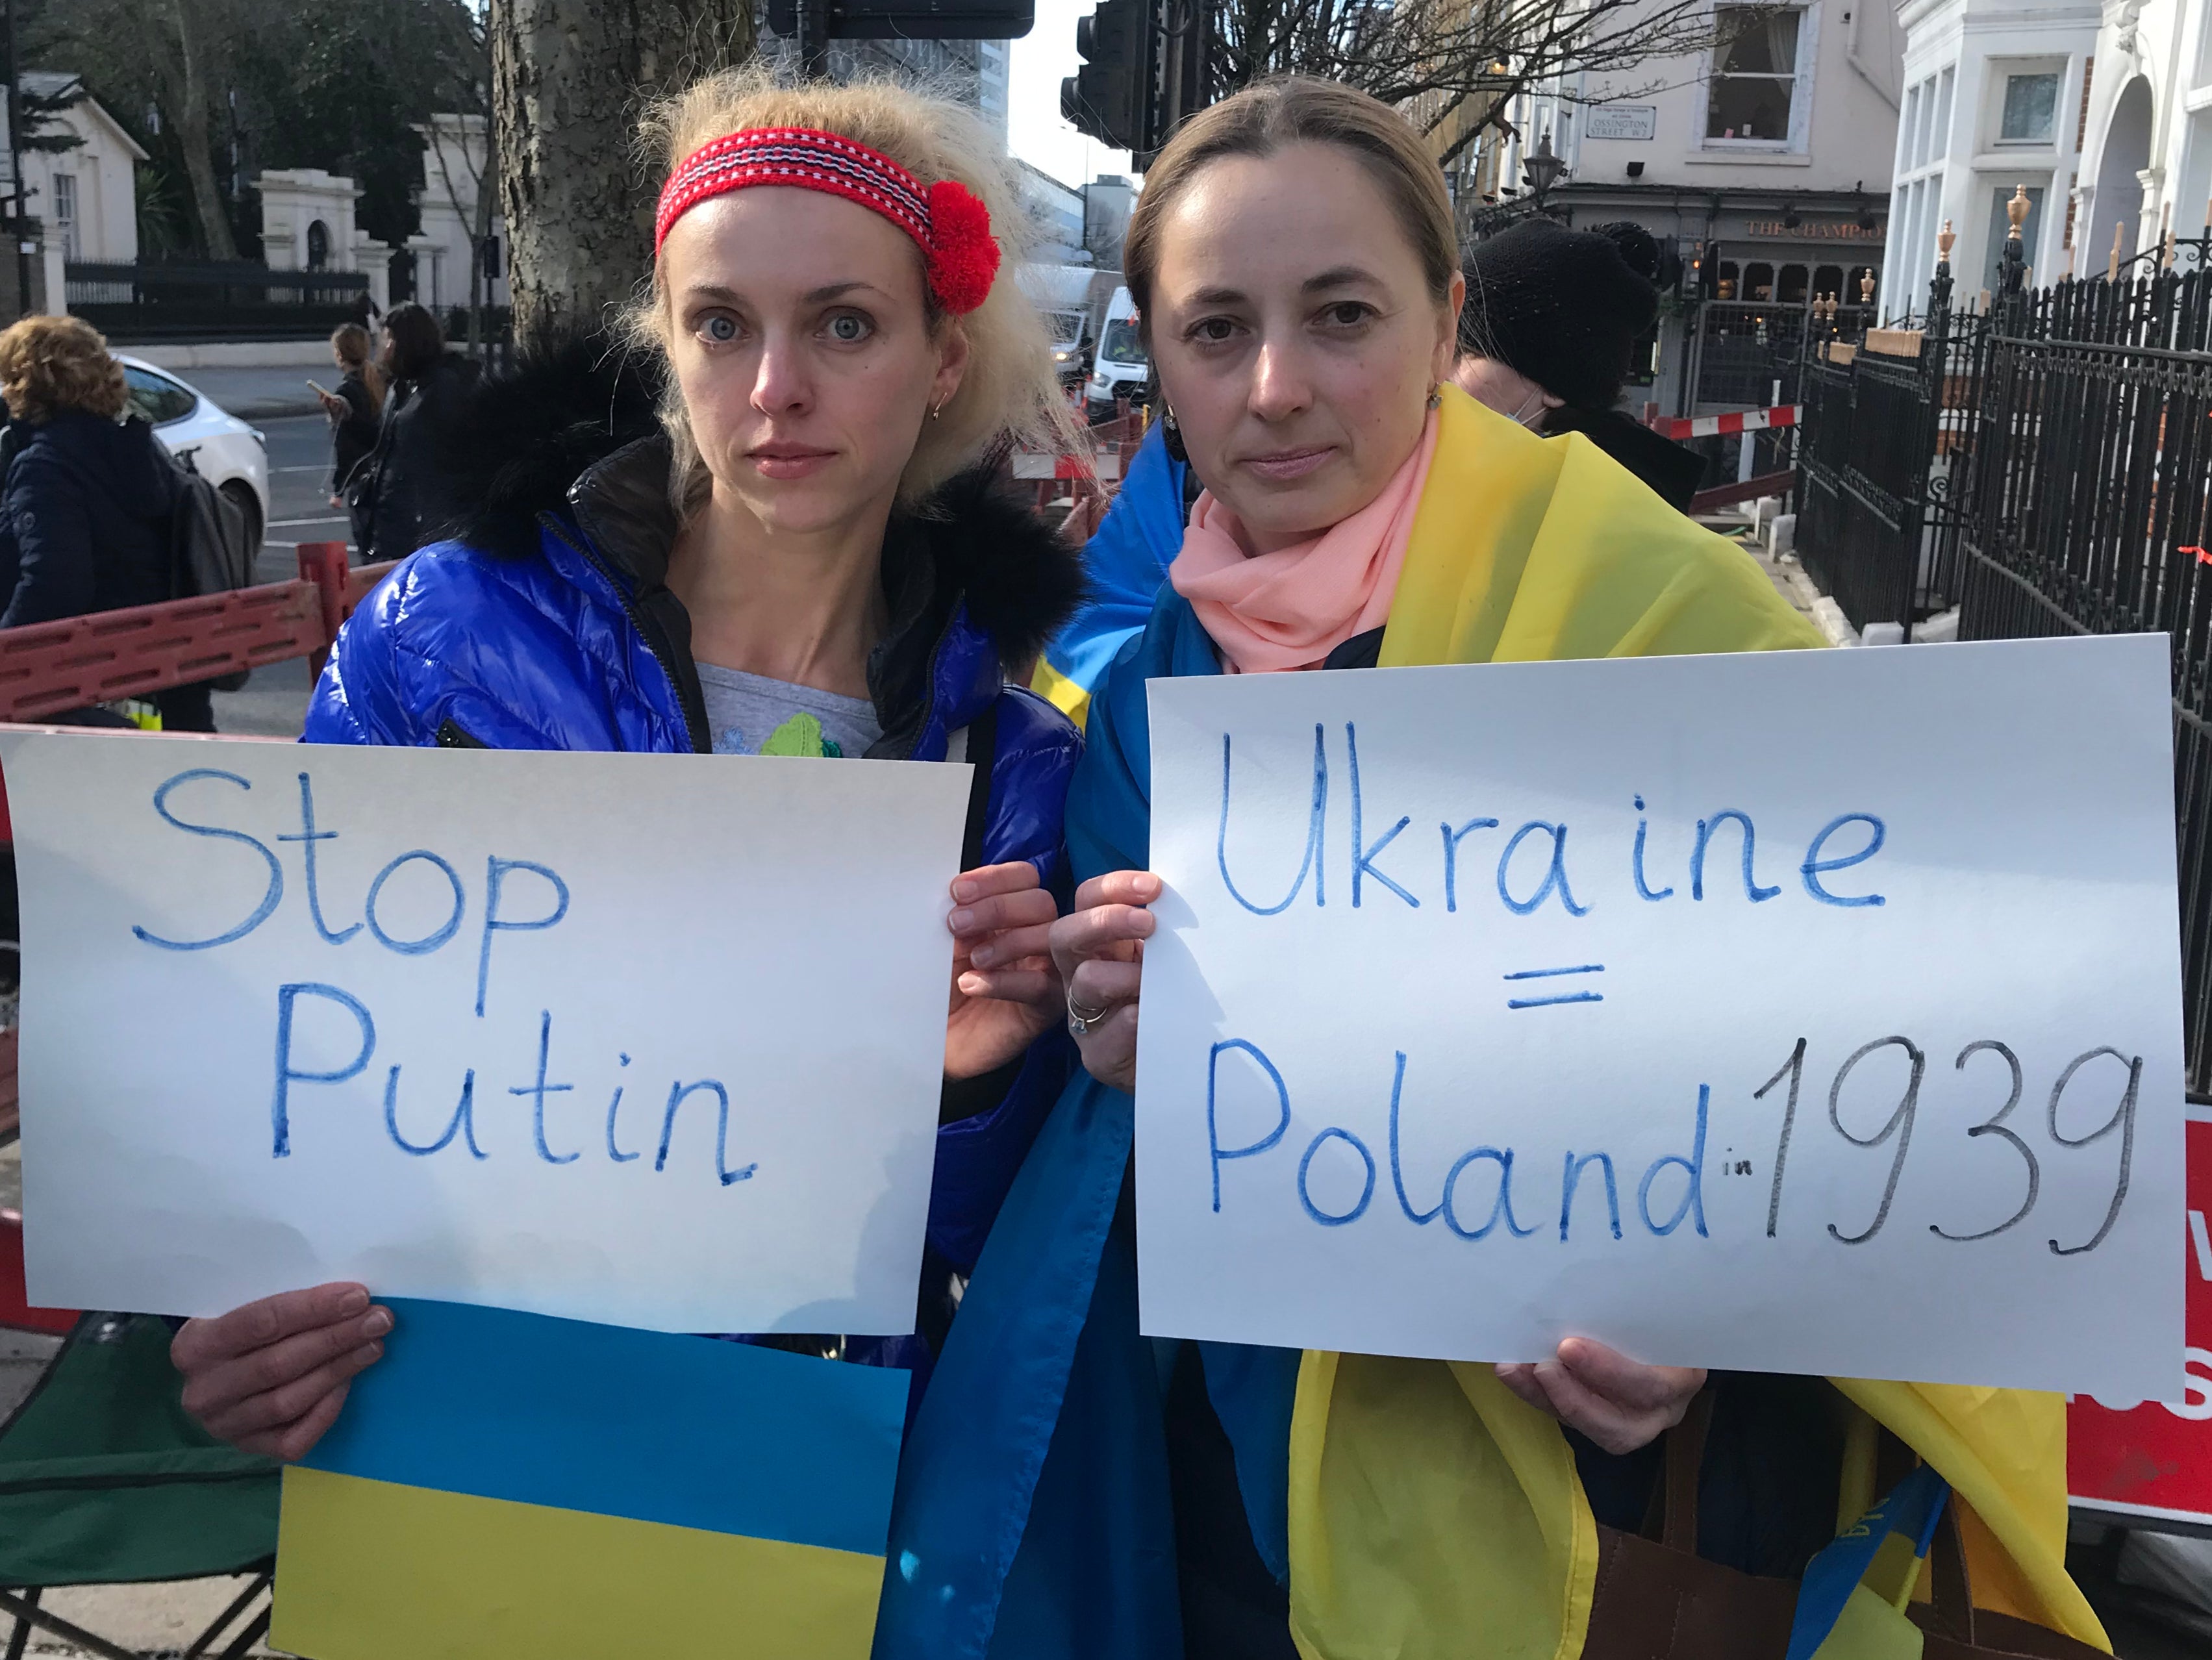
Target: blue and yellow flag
506	1485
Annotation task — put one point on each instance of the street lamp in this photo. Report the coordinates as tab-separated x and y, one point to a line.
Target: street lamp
1541	170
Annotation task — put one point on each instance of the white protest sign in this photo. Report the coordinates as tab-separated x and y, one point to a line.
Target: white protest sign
1809	1011
650	1040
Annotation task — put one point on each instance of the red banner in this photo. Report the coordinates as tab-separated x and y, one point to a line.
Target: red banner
2152	1461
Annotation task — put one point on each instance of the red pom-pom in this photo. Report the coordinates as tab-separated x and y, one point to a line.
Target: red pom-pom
964	255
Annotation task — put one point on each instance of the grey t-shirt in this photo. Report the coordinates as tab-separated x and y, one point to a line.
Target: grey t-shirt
752	714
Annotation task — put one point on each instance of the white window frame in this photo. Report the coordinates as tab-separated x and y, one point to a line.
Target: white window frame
1800	93
2000	71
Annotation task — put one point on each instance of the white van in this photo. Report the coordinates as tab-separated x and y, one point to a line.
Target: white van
1122	367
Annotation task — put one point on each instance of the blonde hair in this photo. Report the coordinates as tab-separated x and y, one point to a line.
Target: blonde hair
1298	110
356	351
48	364
1008	387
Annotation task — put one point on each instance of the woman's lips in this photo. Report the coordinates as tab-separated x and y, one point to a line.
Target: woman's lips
1287	465
789	461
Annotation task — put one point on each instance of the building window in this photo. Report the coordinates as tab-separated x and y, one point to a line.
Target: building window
2031	109
2001	231
1754	80
319	246
65	213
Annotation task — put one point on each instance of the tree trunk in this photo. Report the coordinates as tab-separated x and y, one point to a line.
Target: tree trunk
190	77
570	78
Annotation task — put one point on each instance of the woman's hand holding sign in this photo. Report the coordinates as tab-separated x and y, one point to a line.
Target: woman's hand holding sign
270	1377
1100	950
1621	1404
1005	991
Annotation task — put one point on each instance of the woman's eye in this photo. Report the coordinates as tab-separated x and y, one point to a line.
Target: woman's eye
848	329
1212	330
719	329
1347	314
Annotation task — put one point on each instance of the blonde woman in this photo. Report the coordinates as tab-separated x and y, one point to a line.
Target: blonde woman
799	557
86	503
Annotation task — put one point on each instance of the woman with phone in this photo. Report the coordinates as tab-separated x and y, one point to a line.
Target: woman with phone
353	409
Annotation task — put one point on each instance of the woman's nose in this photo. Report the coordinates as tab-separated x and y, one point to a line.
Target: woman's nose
780	384
1280	388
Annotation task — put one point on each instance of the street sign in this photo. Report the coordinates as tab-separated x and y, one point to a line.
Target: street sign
1629	121
2151	1465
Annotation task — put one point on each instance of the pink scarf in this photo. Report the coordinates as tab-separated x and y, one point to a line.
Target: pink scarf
1290	608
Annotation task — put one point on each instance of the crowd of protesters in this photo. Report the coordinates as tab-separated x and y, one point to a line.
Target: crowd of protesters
767	521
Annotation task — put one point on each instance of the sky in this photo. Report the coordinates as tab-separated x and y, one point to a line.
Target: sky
1040	60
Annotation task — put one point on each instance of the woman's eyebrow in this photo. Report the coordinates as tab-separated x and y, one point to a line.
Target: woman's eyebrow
1338	276
838	291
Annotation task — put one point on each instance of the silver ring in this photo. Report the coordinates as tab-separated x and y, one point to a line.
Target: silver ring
1080	1019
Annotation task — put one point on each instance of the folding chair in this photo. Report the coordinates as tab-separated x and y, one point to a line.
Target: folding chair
104	1479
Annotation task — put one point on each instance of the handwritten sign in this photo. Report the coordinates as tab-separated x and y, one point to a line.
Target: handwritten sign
655	1041
2151	1462
1804	1012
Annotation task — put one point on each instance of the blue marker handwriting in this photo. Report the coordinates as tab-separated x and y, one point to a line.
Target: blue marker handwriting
1534	866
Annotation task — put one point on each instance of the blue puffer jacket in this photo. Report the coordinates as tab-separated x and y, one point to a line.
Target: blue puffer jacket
546	624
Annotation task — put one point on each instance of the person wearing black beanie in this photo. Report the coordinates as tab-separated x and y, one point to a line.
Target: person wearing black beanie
1552	317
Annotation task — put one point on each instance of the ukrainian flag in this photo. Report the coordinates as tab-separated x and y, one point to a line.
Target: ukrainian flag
508	1484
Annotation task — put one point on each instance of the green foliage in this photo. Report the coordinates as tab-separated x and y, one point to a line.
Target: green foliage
335	84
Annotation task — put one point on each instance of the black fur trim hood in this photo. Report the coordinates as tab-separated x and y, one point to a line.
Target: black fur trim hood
573	429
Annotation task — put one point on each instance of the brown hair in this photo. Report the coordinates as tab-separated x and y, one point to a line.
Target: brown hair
413	342
48	364
1266	118
351	343
1009	386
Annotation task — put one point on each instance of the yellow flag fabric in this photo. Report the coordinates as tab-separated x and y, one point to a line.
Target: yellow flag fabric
1433	1514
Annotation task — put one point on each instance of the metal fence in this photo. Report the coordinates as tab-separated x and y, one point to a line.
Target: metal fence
205	300
2047	466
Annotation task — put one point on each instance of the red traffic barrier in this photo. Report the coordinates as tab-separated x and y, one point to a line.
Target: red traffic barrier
48	667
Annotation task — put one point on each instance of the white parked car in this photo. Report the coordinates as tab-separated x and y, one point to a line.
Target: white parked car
221	447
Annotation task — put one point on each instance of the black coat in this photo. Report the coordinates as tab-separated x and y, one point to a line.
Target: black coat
408	447
84	520
354	439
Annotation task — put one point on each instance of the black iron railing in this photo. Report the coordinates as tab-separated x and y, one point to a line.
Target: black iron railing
208	300
2061	454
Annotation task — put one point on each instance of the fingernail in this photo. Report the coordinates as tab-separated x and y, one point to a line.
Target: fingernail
355	1300
377	1325
983	956
963	890
961	921
369	1353
972	984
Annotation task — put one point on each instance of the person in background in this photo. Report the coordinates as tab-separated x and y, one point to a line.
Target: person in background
87	504
425	382
1552	318
353	409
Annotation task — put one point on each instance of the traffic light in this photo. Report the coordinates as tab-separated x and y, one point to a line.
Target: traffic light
1109	97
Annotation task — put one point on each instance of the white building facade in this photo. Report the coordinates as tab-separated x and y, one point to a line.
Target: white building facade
2147	155
1770	154
1994	102
455	178
2102	112
85	198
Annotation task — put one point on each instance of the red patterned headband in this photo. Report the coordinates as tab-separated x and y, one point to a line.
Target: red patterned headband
950	227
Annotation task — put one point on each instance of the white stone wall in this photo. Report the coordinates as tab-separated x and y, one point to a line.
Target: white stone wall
105	216
453	172
1967	62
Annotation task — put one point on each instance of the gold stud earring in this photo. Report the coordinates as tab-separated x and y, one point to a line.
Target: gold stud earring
937	411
